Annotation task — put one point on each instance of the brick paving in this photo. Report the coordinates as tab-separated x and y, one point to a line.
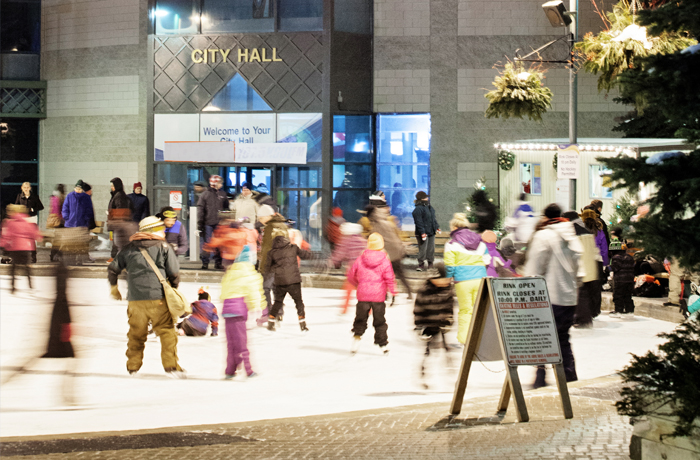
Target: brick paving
410	432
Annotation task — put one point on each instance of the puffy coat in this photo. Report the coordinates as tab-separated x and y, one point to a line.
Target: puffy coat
466	256
241	280
554	253
348	250
277	225
603	245
18	234
142	207
229	240
177	237
434	306
622	266
282	261
208	207
373	276
424	218
203	313
77	210
32	203
245	207
142	281
119	200
588	263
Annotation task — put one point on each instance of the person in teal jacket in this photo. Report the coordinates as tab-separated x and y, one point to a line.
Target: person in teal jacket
466	259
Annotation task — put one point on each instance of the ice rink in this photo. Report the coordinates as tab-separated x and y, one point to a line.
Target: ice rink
299	373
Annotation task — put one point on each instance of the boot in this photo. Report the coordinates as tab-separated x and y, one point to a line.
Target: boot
355	344
421	267
205	266
271	324
430	265
302	325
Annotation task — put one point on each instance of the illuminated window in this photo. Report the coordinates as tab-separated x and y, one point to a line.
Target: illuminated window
596	181
531	178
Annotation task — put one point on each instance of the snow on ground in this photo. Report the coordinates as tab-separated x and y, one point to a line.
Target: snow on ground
299	374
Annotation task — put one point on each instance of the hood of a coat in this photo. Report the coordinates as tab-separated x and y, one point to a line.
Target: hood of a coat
280	242
118	185
277	218
372	258
466	238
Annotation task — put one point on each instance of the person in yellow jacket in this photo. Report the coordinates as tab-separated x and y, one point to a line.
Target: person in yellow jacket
241	291
466	259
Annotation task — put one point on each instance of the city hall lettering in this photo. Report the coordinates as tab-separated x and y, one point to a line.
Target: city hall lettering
243	55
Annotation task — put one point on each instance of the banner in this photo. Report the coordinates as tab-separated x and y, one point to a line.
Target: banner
252	128
280	153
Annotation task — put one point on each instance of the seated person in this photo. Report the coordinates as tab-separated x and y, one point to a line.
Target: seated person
203	313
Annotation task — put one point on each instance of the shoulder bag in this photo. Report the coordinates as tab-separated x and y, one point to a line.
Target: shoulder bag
174	299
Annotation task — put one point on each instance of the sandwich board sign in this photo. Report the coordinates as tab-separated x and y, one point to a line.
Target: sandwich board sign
513	315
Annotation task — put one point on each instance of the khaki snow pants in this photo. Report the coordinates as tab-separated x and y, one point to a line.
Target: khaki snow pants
140	312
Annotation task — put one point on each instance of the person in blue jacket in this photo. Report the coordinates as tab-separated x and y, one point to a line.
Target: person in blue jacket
175	232
77	208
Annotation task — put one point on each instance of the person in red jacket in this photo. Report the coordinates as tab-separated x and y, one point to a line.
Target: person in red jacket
373	276
18	239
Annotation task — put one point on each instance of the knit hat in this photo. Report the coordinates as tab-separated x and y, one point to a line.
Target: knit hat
375	242
266	211
421	195
348	228
151	224
616	245
79	183
489	237
169	214
86	187
337	212
214	180
203	295
137	185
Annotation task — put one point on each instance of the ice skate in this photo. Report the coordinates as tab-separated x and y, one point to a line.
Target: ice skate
302	326
271	324
384	349
355	344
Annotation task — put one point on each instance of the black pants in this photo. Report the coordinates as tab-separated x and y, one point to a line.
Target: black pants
398	272
564	319
20	258
589	299
379	322
294	290
622	297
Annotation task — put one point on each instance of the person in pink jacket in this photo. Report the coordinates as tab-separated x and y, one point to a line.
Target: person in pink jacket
373	276
18	239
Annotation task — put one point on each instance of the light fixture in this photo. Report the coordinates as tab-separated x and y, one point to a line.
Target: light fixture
556	13
161	13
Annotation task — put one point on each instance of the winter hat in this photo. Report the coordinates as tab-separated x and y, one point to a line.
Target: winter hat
151	224
266	211
246	185
169	214
214	180
79	183
202	294
616	245
421	195
201	183
489	237
137	185
337	212
348	228
442	271
375	242
86	187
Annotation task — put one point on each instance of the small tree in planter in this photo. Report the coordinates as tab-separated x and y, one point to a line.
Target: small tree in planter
667	383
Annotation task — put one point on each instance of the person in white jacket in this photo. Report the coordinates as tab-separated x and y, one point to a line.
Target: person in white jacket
245	205
554	253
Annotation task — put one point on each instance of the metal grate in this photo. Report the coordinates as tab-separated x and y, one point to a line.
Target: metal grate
28	102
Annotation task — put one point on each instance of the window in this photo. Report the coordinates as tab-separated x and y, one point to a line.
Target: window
19	157
299	199
300	15
530	178
353	164
596	179
20	26
237	96
237	16
353	16
302	127
403	161
177	17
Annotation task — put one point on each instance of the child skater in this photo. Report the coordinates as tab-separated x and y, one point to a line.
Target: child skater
203	313
241	291
622	266
347	249
433	313
373	276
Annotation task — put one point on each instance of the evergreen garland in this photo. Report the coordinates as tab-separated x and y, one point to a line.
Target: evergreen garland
603	54
555	161
668	377
518	94
506	160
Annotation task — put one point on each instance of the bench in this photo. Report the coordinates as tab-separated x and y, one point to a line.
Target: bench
440	241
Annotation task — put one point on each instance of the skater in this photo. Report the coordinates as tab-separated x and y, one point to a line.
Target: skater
282	262
146	296
349	248
589	292
426	228
119	212
433	313
332	231
373	276
227	240
175	232
241	291
271	225
18	239
466	259
381	223
55	218
554	253
498	265
33	204
203	313
622	266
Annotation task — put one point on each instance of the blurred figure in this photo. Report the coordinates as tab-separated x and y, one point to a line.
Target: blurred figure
426	229
119	212
251	239
18	239
433	313
379	220
241	291
522	223
203	313
498	267
245	204
332	230
210	203
33	205
273	224
142	207
55	218
175	232
350	247
228	239
373	276
146	297
589	292
466	258
485	211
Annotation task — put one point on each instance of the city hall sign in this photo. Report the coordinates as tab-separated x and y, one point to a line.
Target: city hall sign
244	55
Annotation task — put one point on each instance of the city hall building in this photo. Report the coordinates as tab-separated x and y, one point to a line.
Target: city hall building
316	102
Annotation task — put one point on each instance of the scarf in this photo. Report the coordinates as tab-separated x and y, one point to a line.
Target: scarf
545	223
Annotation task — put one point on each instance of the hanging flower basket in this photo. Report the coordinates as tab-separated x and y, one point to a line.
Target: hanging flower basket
613	51
506	160
555	162
519	93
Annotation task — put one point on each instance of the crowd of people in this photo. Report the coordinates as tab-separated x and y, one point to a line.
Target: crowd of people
261	252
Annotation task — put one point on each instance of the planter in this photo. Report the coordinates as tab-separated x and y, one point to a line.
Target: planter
650	439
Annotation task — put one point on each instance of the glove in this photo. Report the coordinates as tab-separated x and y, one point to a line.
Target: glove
114	292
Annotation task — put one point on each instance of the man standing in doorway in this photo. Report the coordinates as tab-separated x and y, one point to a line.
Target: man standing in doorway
426	228
210	203
142	207
245	205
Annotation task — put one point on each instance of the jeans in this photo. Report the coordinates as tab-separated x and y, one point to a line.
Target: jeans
426	249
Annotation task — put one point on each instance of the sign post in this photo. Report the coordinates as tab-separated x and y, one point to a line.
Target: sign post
526	334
